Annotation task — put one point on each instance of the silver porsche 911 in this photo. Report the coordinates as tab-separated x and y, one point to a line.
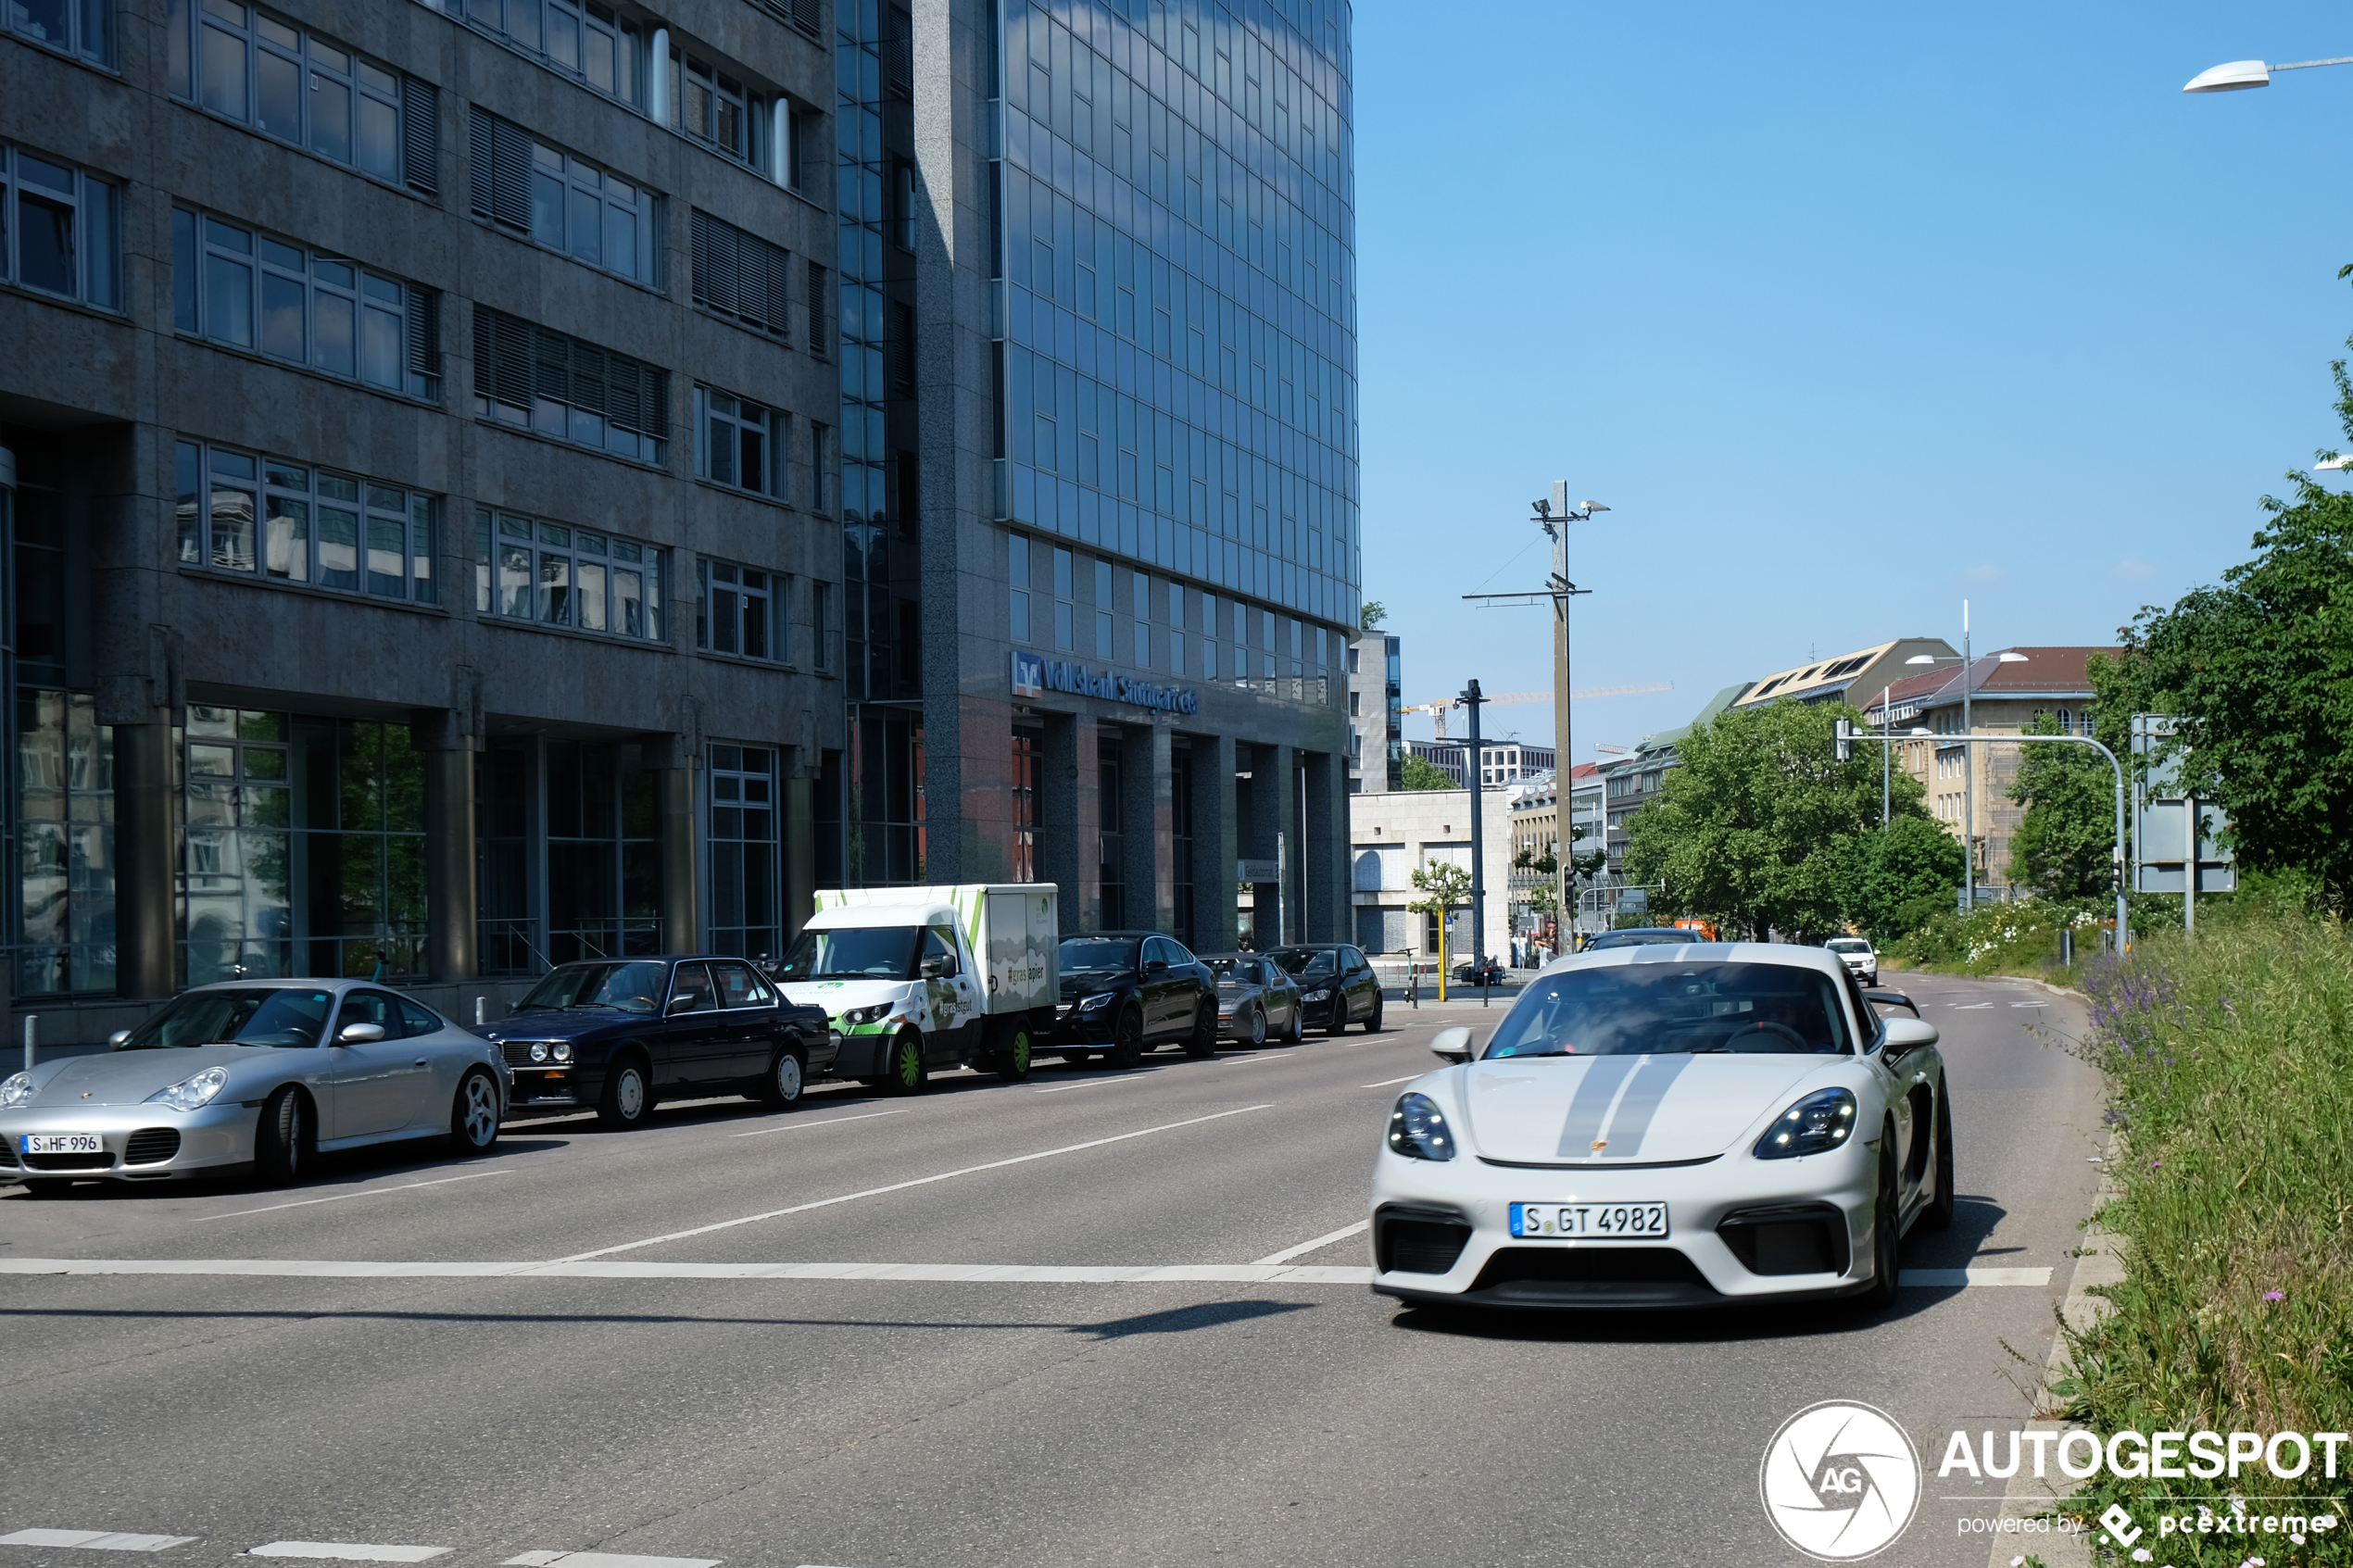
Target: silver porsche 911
265	1074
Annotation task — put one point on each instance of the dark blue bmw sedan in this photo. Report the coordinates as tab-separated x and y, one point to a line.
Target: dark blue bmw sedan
615	1035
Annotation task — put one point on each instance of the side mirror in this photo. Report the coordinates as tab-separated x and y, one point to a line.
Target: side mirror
678	1005
1158	966
938	966
114	1041
1909	1035
359	1033
1451	1045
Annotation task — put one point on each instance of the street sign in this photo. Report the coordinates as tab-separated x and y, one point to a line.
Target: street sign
2165	824
1635	901
1258	870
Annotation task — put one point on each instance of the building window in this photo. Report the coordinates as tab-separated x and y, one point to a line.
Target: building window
1064	611
1142	596
737	611
1017	574
1103	601
306	848
819	341
245	64
77	27
554	575
65	813
562	387
737	274
558	200
1110	858
587	43
821	490
282	522
740	443
716	109
58	229
821	623
743	842
236	286
1024	793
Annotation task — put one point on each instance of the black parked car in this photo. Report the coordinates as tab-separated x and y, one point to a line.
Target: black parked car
619	1034
1126	992
1338	986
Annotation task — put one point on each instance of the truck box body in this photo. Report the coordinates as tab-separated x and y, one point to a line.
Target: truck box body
1012	929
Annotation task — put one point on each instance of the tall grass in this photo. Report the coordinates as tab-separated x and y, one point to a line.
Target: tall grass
2230	1060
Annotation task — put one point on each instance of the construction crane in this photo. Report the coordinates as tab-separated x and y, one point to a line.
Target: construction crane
1439	709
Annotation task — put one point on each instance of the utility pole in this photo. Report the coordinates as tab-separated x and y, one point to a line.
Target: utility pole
1886	764
1968	780
1471	771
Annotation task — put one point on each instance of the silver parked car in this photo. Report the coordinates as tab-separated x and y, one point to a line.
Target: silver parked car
1255	998
259	1073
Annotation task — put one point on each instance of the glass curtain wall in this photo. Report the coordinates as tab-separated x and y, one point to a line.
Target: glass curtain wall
1176	230
568	840
745	860
305	846
64	828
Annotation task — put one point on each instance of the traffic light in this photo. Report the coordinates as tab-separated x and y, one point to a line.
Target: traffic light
1845	734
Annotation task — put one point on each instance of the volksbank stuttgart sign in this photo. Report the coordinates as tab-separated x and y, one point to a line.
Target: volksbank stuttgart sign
1035	676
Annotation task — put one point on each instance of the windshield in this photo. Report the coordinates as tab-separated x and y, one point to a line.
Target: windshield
261	1015
1304	961
631	987
1098	953
852	953
1231	971
1849	945
1673	1009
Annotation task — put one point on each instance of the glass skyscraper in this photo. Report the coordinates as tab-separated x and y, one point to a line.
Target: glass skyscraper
1099	267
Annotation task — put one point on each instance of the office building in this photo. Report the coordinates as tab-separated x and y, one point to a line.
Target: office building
1501	762
1376	714
1100	461
423	539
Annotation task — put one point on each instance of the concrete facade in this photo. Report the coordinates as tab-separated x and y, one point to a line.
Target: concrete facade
457	702
1392	836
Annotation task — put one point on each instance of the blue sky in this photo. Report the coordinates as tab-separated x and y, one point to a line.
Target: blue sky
1847	312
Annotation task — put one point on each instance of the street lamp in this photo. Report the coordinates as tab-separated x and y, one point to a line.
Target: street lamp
1968	764
2239	75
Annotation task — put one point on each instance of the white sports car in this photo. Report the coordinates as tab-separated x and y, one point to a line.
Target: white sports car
1667	1126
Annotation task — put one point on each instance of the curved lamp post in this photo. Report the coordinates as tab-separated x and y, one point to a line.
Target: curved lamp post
2239	75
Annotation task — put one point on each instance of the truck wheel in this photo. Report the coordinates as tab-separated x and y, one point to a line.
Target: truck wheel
907	1074
1202	1041
1128	1039
1013	1057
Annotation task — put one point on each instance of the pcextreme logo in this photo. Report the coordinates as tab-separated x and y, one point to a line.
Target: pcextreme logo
1840	1481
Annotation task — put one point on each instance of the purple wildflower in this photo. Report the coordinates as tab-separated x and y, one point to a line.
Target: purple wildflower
2275	1296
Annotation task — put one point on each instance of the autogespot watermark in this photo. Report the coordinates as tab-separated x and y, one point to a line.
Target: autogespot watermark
1840	1481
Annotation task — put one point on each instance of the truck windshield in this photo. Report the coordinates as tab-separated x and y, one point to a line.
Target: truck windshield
631	987
1672	1009
858	952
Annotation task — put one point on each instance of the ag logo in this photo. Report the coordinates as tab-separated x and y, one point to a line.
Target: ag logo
1840	1481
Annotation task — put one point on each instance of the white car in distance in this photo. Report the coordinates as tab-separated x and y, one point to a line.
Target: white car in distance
1857	956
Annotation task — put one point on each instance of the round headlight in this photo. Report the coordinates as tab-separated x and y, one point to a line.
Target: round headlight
563	1051
16	1090
538	1052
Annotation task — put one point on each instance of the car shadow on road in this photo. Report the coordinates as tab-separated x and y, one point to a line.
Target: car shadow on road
331	1175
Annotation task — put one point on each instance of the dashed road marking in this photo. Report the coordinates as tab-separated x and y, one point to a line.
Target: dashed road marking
828	1121
94	1540
338	1198
1387	1082
1288	1253
350	1551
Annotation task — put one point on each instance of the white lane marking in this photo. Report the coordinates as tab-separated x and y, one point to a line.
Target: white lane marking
350	1551
605	1560
1387	1082
1968	1007
94	1540
2029	1004
1943	1278
987	1274
828	1121
902	1186
338	1198
1288	1253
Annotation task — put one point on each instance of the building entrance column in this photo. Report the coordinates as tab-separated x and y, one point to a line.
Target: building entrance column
800	848
452	899
146	963
1146	755
1273	808
672	759
1216	843
1324	856
1070	821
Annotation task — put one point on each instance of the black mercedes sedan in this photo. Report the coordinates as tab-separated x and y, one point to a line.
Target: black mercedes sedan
1126	992
1338	985
616	1034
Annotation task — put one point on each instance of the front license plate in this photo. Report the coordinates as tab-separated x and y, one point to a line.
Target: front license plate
63	1142
1647	1221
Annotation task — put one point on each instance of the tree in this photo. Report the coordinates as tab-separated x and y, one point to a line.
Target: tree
1752	828
2065	847
2258	672
1372	615
1422	773
1900	875
1444	886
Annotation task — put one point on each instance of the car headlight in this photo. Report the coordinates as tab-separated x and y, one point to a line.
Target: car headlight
1099	1000
16	1090
1417	1129
562	1050
539	1051
874	1014
1819	1123
191	1094
1316	997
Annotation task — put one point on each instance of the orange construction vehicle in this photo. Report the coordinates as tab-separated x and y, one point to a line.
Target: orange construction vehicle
1706	931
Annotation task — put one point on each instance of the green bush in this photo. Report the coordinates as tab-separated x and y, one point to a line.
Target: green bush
2226	1057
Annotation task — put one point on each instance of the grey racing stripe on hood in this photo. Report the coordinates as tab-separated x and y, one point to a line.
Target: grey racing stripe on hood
1627	1129
1591	1102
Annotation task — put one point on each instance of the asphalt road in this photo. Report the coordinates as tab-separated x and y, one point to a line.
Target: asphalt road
633	1407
